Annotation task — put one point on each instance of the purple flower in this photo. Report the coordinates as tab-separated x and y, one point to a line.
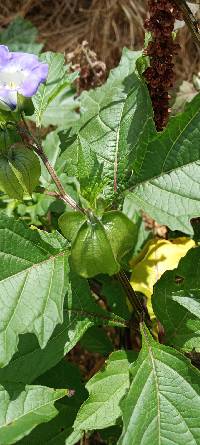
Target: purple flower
19	73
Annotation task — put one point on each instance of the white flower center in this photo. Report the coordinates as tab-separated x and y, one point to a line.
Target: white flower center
11	79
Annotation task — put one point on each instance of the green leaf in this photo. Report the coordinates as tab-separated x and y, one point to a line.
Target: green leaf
162	405
165	178
108	240
19	171
62	111
8	135
33	280
23	408
83	304
31	361
56	81
52	151
21	35
179	290
34	210
58	431
80	312
116	128
9	183
65	374
113	118
25	105
115	296
60	428
7	118
106	388
96	339
143	234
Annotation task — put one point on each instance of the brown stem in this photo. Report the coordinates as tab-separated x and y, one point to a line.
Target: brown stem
53	194
132	296
84	439
40	152
189	19
106	318
63	195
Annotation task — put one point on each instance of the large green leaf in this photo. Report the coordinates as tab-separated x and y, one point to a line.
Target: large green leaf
162	405
62	111
60	429
33	282
31	361
23	408
115	142
176	302
21	35
113	118
166	175
80	312
106	388
56	432
55	82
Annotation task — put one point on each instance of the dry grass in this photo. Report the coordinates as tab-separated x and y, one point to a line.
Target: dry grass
108	26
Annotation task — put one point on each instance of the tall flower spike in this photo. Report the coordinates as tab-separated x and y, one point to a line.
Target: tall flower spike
161	49
19	73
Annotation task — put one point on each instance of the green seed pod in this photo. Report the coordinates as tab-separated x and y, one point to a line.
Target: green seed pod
19	171
98	245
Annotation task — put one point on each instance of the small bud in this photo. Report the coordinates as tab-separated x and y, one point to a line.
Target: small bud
71	392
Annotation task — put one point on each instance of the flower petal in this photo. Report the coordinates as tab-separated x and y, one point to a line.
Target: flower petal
41	70
29	87
24	60
8	97
31	83
19	72
4	55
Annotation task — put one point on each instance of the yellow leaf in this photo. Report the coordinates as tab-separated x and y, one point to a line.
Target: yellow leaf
156	257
